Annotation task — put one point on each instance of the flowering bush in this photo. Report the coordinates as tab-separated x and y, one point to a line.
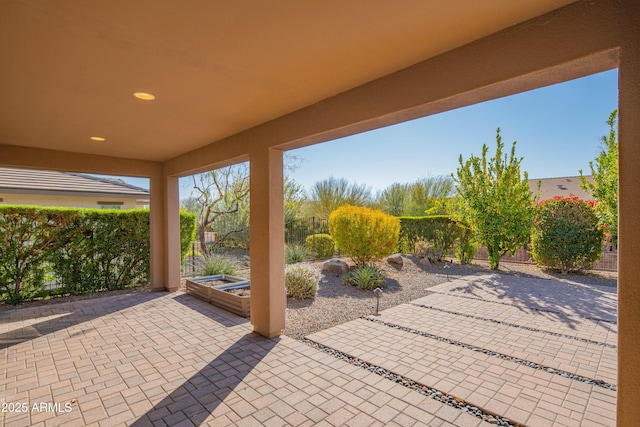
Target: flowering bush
363	233
566	234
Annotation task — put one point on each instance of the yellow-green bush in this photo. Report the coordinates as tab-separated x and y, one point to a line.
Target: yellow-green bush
362	233
321	245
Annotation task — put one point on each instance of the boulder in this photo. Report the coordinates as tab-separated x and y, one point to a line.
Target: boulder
425	262
395	259
335	266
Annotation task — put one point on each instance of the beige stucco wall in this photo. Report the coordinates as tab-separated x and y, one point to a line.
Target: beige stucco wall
68	201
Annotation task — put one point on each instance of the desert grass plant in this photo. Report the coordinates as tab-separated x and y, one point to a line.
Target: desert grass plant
366	277
219	264
294	253
301	281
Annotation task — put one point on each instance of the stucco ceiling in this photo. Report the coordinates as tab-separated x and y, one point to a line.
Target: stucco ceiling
69	67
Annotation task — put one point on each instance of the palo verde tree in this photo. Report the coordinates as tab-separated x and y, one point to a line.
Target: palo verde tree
495	201
329	194
222	196
221	202
604	188
417	198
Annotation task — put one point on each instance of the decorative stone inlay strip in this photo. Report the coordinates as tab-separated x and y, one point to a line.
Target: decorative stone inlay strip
413	385
513	325
528	363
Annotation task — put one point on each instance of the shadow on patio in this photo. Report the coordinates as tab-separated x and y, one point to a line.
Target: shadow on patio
21	324
562	299
198	397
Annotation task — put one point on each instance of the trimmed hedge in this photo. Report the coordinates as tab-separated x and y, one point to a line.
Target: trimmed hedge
84	250
440	231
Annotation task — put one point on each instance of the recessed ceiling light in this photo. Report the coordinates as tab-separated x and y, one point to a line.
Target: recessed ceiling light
144	96
98	138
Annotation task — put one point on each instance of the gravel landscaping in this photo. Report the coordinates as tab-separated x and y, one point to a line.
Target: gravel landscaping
337	303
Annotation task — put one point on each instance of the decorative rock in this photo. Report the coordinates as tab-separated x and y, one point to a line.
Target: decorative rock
395	259
425	262
335	266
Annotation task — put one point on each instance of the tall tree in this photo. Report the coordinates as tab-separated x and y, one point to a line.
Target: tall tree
495	201
604	188
222	196
424	196
393	199
427	194
329	194
222	201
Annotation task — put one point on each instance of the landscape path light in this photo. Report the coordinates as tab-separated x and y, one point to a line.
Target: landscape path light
378	293
446	270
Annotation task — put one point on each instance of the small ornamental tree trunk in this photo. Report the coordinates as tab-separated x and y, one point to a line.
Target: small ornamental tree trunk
494	258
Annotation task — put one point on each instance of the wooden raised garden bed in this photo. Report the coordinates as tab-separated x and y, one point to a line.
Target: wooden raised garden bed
228	292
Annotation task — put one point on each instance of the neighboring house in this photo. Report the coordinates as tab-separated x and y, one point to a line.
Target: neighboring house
49	188
565	187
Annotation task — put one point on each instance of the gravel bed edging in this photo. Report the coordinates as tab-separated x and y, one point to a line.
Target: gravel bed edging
431	392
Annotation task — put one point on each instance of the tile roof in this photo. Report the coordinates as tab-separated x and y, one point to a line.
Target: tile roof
564	186
25	181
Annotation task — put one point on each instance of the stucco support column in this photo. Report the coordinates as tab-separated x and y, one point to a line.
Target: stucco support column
268	299
629	227
165	233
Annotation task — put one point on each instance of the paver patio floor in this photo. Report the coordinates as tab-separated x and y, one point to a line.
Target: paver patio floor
169	359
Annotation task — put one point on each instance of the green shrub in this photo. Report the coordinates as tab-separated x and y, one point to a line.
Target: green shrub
295	253
28	237
566	234
219	264
187	233
366	277
301	281
362	233
440	231
321	245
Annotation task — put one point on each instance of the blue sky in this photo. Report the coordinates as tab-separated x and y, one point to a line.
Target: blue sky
557	129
